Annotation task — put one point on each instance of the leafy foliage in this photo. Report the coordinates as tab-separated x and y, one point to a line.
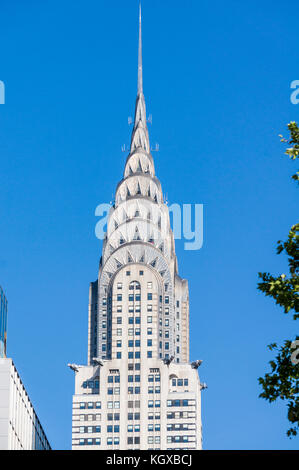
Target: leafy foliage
283	380
293	151
285	290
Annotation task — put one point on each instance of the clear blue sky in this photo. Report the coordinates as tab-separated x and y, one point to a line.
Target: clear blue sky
217	81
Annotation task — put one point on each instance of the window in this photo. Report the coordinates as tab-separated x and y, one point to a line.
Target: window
119	320
90	405
150	404
149	342
119	332
149	285
119	308
98	405
82	406
149	331
167	300
149	319
149	354
131	297
118	344
119	297
157	404
140	273
149	296
149	308
137	343
128	273
119	285
137	331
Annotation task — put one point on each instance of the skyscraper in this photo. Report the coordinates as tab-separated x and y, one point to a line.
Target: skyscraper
139	390
20	428
3	323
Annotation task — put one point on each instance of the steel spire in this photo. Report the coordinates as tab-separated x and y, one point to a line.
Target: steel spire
140	71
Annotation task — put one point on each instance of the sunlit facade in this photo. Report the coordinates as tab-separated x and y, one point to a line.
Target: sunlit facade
139	389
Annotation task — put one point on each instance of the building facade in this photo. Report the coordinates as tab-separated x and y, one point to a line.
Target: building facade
20	428
139	389
3	323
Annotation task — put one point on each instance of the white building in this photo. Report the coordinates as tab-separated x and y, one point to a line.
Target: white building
20	428
139	390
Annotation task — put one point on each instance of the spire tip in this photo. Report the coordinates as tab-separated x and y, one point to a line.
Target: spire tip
140	71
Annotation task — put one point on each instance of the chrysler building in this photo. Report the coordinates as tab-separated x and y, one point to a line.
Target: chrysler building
139	389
